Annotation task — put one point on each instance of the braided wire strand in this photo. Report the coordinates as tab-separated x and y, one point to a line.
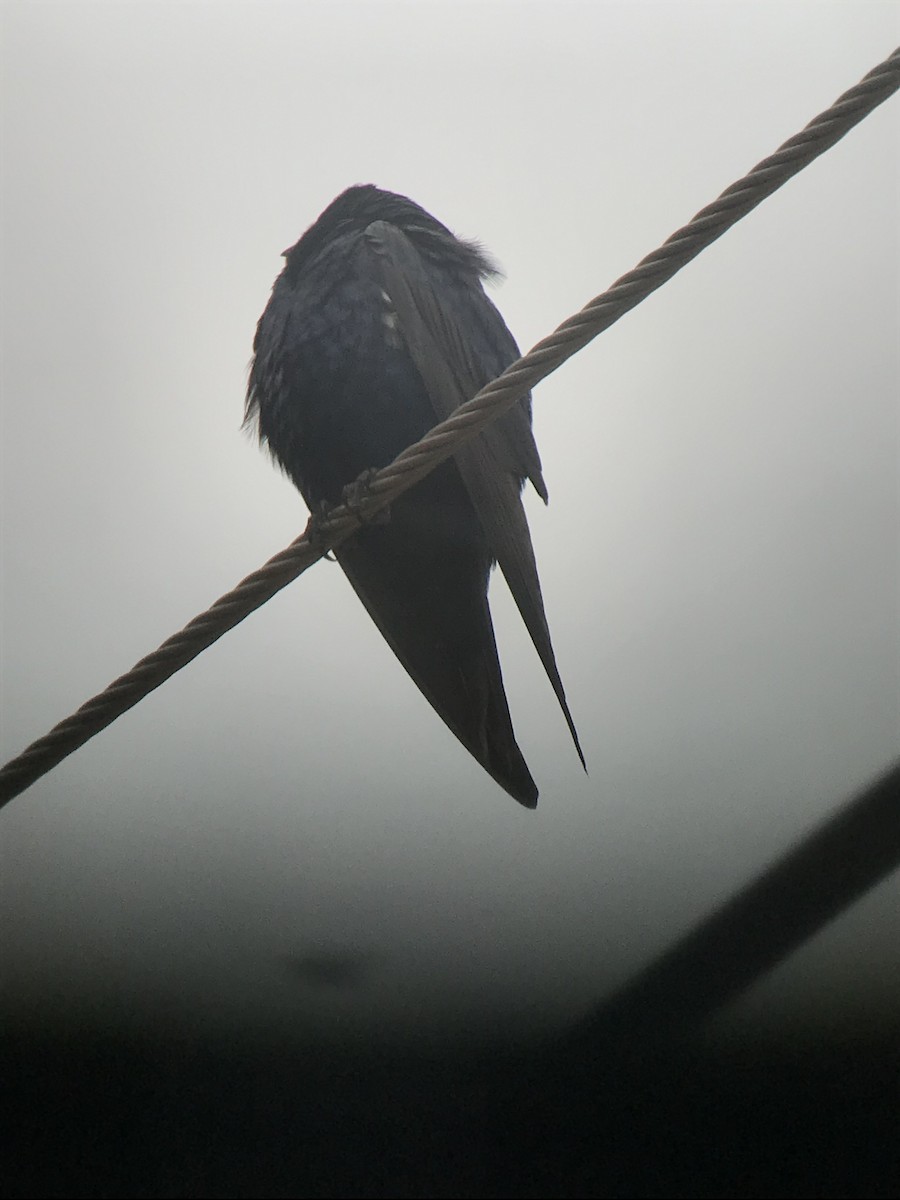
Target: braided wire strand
440	443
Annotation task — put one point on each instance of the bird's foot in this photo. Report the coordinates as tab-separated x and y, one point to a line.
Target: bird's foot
356	495
314	528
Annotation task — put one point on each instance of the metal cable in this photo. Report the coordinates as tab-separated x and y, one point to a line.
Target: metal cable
440	443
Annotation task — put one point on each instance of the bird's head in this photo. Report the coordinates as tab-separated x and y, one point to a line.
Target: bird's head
354	210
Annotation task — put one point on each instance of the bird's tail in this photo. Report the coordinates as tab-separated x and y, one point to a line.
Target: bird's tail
428	597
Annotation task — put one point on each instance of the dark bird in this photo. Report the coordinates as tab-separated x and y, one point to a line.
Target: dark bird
377	328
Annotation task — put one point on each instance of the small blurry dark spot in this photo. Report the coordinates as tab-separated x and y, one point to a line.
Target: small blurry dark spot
324	970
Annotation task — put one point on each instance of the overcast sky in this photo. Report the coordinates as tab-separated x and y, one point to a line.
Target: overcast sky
719	558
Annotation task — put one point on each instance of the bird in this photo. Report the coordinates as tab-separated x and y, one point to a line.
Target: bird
377	327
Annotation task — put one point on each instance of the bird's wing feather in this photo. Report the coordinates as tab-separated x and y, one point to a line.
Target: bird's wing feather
490	464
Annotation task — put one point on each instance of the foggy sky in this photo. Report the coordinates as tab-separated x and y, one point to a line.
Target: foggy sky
719	558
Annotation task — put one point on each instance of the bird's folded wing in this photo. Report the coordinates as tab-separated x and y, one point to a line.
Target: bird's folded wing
490	463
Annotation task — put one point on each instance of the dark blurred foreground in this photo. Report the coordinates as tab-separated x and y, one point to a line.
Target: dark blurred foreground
647	1096
734	1115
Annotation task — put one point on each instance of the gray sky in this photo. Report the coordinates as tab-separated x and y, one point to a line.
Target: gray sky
719	558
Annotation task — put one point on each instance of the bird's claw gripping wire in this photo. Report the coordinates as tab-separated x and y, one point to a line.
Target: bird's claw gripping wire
356	495
315	526
354	498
